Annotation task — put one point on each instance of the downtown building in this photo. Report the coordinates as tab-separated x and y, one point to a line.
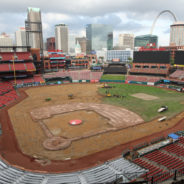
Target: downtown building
99	36
177	34
126	41
50	45
20	38
123	56
61	37
82	43
71	42
33	26
146	41
5	40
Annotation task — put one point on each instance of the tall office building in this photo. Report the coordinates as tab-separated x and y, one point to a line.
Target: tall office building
82	43
146	41
177	34
71	42
99	36
126	41
50	45
61	35
20	38
6	40
33	26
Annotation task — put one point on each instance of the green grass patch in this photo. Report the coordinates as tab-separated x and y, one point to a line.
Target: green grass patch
113	77
147	109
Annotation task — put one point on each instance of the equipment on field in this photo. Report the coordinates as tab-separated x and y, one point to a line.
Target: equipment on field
162	118
108	94
106	86
70	96
163	108
118	96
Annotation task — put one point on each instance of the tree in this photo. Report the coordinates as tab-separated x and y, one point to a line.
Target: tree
172	61
130	59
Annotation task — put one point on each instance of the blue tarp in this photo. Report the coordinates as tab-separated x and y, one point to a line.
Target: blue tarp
97	68
167	81
173	136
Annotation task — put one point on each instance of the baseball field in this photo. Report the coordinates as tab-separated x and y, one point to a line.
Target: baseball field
106	121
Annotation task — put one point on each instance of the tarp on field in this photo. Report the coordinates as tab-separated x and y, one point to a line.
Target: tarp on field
173	136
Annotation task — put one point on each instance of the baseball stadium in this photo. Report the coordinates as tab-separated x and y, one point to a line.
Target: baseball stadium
83	126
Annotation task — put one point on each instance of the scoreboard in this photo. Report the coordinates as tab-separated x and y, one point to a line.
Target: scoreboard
179	58
152	57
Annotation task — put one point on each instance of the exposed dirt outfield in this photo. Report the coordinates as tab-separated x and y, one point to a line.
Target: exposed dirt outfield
30	135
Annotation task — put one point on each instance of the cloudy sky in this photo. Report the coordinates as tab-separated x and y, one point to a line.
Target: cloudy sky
126	16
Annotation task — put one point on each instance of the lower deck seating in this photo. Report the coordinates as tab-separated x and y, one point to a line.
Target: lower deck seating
129	170
153	170
176	149
181	140
178	74
31	80
101	174
142	78
5	87
7	93
149	71
167	160
162	163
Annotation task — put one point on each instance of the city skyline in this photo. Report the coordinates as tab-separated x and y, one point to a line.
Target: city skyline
125	16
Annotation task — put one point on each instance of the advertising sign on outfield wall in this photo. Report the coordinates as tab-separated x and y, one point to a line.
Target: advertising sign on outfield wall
150	83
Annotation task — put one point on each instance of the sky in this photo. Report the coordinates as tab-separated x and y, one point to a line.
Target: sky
126	16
